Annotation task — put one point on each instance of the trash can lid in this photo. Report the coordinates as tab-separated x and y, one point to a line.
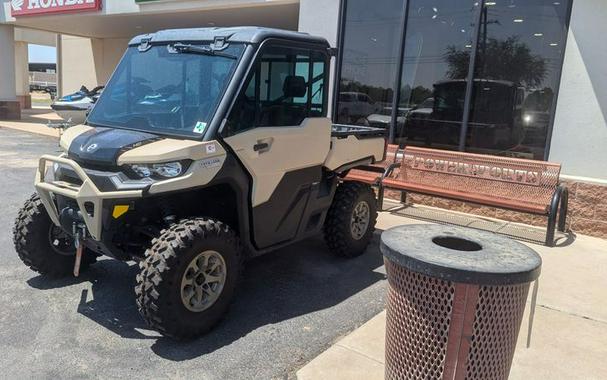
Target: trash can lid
460	254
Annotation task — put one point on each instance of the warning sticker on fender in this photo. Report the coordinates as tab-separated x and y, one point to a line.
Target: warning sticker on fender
211	148
210	163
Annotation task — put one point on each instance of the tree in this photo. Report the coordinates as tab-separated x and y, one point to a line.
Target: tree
508	59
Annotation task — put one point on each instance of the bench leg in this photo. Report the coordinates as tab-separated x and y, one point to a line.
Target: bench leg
550	230
563	211
403	197
380	197
557	199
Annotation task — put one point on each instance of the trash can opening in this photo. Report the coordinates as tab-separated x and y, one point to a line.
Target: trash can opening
457	244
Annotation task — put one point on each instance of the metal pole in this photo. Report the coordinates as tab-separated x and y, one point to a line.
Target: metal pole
470	79
338	59
399	74
59	65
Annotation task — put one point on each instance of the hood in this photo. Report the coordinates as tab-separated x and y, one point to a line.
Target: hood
102	146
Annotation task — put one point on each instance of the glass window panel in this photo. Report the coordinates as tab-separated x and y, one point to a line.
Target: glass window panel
279	90
435	69
371	40
517	71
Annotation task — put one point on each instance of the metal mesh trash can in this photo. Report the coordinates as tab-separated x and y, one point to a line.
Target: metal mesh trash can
455	303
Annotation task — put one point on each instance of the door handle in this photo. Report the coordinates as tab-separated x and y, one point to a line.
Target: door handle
261	147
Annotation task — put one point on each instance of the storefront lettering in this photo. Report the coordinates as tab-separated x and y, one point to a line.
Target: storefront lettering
474	170
34	7
35	4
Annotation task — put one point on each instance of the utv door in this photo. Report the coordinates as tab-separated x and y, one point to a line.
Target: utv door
279	132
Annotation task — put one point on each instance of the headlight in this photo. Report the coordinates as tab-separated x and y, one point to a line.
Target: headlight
165	170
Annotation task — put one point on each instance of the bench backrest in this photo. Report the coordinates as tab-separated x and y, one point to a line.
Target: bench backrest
391	152
521	180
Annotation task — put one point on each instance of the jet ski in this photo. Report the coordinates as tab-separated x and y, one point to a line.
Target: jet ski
73	108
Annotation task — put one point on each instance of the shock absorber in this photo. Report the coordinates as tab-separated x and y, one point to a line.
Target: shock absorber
167	212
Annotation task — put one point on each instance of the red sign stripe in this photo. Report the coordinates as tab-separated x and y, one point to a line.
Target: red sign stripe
45	7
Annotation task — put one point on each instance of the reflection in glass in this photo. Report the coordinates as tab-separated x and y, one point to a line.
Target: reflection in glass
433	89
372	36
513	91
517	68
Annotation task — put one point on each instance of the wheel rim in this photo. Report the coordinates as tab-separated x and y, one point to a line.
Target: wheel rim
203	281
60	241
361	215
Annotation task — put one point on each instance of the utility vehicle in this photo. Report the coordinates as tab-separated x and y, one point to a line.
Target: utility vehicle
207	147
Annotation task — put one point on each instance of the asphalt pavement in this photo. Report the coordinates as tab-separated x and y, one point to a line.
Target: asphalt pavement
292	305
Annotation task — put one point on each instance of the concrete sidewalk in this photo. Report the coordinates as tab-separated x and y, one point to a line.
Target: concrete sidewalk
34	120
569	339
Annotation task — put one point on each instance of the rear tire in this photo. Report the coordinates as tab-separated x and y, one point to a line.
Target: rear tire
34	242
351	219
171	293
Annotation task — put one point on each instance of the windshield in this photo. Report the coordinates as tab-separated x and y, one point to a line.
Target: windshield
166	90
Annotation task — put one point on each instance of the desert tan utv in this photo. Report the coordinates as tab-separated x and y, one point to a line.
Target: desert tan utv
207	147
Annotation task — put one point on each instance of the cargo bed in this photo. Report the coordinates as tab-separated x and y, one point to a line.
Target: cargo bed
344	130
354	145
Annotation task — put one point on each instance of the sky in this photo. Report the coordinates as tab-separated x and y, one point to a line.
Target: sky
42	54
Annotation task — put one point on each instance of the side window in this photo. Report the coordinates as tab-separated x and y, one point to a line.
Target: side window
285	86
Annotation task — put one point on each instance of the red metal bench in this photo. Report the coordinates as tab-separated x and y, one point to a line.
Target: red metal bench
509	183
372	174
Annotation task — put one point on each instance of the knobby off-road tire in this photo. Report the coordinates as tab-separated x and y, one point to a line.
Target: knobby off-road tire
34	245
350	199
170	260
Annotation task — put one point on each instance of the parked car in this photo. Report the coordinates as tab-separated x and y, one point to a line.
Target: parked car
354	106
496	116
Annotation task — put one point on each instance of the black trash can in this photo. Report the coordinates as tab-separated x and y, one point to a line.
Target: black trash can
455	303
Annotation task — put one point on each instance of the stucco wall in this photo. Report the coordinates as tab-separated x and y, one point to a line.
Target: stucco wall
88	62
579	139
7	63
22	68
320	18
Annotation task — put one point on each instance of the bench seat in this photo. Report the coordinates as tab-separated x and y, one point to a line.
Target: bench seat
486	200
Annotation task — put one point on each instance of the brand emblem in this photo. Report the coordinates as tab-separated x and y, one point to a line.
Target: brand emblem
17	4
89	149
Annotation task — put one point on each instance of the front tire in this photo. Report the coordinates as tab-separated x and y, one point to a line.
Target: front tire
189	277
351	219
44	247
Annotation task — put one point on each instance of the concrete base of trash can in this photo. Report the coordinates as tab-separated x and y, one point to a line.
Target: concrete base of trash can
456	299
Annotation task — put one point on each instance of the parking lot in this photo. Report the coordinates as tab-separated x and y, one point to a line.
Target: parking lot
293	304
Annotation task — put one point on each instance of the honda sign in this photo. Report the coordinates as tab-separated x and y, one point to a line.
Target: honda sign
42	7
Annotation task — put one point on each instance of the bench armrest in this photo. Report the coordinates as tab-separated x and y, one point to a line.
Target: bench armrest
370	168
388	171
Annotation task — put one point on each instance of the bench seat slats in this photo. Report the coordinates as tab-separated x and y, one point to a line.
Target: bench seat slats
364	176
466	196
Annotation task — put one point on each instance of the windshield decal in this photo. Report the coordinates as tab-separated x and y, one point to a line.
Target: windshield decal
200	127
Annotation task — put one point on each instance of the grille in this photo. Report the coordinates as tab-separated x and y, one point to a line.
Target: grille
439	329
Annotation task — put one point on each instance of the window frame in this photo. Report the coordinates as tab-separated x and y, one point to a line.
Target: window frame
253	66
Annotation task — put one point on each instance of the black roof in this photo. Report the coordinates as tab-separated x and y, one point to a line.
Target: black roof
244	34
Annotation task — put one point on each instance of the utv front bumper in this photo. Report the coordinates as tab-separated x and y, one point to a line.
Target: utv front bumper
87	195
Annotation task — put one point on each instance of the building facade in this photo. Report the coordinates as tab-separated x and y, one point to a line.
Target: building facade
520	78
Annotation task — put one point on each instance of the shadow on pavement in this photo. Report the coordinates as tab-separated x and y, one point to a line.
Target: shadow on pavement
291	282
